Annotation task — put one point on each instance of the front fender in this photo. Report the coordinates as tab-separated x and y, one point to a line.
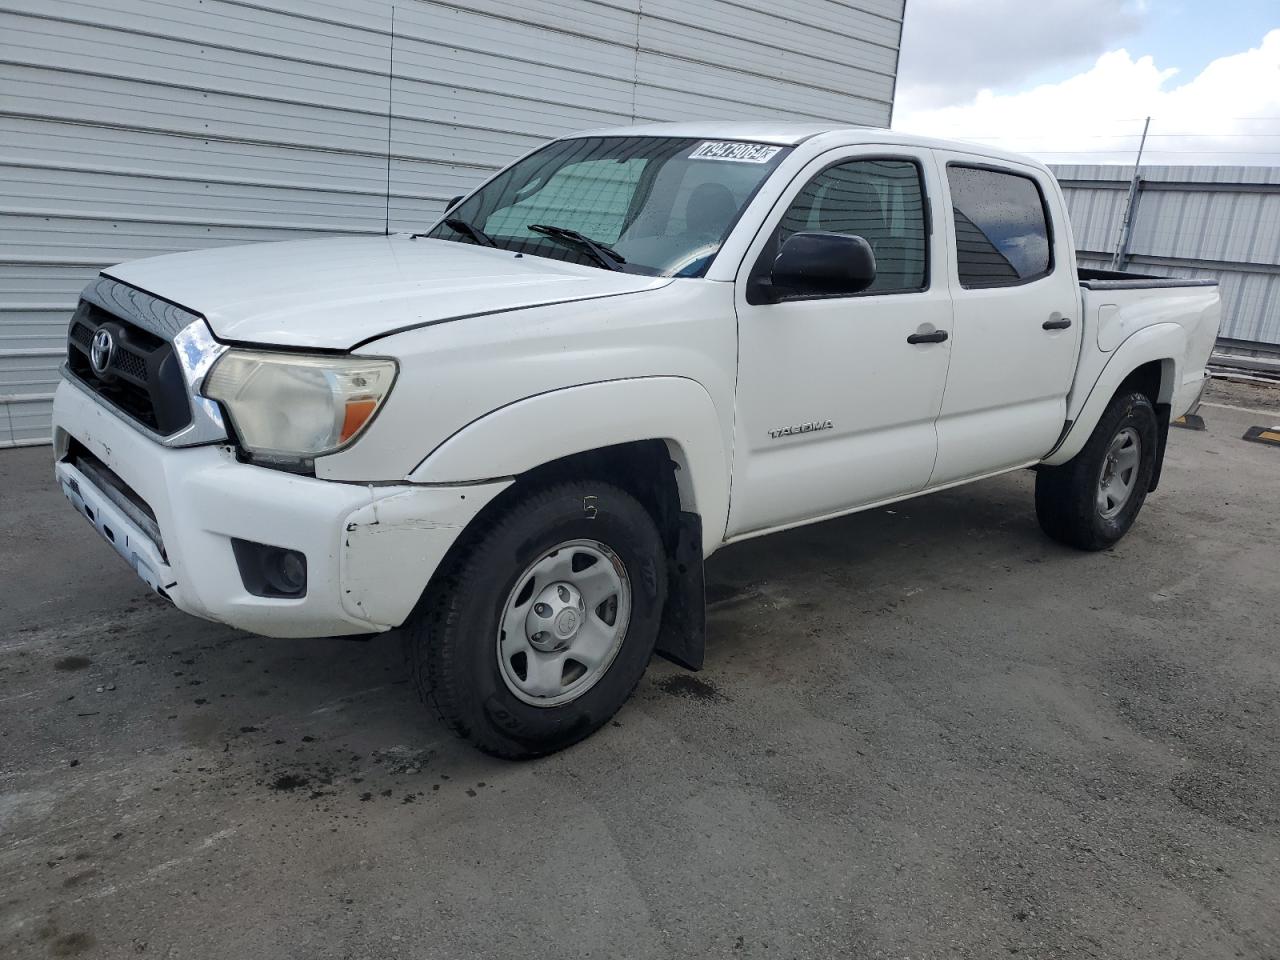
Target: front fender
528	433
1166	342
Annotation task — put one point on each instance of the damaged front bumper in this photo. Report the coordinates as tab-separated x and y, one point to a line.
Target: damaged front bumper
172	514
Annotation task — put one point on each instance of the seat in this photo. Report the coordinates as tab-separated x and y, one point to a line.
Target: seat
709	211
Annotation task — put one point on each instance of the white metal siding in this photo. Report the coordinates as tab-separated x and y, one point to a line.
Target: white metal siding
130	128
1190	221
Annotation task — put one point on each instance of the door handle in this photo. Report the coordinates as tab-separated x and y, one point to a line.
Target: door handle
936	337
1056	323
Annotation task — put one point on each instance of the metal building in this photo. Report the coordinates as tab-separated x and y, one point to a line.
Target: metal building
135	127
1220	222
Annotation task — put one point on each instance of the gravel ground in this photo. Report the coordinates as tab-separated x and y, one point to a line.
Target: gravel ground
924	731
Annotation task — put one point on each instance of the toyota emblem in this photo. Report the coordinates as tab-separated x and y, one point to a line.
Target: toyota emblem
101	350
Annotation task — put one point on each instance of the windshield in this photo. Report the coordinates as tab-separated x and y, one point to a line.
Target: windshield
659	206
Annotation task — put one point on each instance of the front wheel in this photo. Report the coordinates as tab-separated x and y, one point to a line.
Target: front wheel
541	626
1091	501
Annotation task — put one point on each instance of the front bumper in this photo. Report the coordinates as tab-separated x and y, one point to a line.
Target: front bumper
370	549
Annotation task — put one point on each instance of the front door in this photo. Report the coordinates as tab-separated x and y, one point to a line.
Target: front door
1015	337
835	408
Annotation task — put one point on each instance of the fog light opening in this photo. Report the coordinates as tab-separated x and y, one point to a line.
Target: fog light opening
271	571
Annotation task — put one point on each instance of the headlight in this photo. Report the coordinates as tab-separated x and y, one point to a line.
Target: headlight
289	407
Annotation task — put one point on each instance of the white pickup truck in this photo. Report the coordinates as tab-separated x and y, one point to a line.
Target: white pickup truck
518	434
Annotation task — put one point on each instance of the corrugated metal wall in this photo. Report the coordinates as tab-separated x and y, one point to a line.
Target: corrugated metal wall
135	127
1221	222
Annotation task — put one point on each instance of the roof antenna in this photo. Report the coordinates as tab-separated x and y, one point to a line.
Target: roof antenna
391	67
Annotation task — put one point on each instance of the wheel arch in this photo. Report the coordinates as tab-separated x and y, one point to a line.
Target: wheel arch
1155	378
1146	362
610	421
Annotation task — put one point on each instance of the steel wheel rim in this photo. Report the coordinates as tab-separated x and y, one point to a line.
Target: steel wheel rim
1119	474
563	623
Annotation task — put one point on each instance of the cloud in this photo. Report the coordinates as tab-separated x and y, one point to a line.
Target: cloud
1228	114
950	48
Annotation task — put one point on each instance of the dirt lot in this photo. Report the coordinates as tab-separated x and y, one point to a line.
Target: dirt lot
924	731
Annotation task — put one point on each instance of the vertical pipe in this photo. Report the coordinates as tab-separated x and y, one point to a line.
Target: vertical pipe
391	70
1126	225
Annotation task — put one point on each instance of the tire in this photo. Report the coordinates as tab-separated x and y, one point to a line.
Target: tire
460	650
1080	503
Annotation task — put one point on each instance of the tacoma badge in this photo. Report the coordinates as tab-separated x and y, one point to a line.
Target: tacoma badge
809	427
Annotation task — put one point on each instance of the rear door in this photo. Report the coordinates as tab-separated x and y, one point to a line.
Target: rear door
835	406
1015	335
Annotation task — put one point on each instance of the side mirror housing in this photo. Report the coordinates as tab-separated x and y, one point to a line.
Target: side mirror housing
817	264
454	201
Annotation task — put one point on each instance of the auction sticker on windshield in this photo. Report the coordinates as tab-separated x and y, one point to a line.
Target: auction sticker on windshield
733	151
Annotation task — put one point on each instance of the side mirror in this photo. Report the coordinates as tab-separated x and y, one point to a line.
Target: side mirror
454	201
822	264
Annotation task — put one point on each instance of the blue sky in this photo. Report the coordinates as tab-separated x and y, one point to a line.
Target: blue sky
1184	34
1188	35
1065	79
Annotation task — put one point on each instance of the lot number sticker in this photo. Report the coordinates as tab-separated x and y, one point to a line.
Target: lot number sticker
733	152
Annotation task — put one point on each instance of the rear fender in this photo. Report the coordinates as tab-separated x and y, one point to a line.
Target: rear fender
1165	342
525	434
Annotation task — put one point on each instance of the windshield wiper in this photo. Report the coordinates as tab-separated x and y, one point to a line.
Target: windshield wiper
603	254
459	225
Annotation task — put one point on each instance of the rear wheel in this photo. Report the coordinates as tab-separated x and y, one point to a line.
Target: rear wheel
1091	501
543	623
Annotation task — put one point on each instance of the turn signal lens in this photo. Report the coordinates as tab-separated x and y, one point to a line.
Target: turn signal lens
358	414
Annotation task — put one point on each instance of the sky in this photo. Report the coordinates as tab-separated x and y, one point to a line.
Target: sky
1071	81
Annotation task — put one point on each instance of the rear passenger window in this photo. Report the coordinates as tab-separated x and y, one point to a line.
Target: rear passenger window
881	201
1002	237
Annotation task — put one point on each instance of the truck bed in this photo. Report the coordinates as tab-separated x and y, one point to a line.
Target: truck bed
1116	307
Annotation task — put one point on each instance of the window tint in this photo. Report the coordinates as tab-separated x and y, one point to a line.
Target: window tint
1001	234
879	200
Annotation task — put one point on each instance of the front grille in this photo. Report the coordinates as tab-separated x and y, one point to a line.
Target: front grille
143	378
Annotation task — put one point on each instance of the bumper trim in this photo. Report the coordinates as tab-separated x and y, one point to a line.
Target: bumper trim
115	490
116	527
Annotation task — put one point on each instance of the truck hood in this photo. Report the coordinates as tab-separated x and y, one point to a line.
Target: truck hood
336	294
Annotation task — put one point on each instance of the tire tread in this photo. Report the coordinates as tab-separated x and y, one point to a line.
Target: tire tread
1065	495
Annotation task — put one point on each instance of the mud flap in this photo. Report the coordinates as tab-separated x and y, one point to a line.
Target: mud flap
1162	440
682	637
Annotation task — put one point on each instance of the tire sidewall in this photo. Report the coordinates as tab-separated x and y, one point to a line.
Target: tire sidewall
577	511
1134	411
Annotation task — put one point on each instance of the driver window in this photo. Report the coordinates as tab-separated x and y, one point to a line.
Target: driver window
881	201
